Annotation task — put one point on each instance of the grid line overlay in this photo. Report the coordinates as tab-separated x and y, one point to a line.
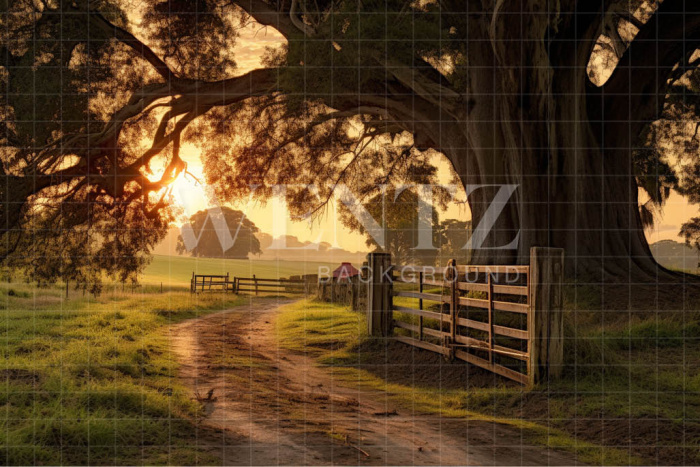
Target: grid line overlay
111	110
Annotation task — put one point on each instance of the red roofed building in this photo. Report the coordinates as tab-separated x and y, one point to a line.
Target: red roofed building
344	272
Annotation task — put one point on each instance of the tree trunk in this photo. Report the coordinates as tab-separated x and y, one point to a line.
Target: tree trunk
528	125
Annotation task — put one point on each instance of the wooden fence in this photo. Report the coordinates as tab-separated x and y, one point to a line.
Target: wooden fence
258	285
211	283
352	291
507	319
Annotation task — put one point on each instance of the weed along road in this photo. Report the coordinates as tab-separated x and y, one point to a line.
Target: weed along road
266	404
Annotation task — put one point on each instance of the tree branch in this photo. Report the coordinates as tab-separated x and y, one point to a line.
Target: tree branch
580	24
128	39
635	93
435	93
299	24
325	118
630	18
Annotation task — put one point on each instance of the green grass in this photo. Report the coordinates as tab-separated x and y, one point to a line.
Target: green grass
176	271
317	328
647	371
92	380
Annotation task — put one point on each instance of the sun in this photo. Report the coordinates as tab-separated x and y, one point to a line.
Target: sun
190	193
188	190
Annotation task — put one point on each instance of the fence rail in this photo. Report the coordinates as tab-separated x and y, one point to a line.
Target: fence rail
260	285
506	319
256	285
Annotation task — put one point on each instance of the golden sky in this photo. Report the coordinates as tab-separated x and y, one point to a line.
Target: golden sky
192	196
675	213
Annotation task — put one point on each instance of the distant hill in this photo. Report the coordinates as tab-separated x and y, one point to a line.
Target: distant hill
296	250
675	255
669	253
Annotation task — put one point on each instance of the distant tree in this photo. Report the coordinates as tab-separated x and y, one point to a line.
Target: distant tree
454	235
265	239
691	232
400	218
209	244
397	209
675	255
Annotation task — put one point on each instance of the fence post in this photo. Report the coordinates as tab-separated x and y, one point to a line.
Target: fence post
354	284
379	315
420	306
546	317
256	284
453	276
489	294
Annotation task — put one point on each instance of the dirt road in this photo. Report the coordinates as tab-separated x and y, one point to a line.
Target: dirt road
274	407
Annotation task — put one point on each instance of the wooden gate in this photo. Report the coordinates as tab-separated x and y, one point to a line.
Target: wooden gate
507	319
210	283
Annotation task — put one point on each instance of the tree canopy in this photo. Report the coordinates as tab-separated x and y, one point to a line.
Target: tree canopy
576	102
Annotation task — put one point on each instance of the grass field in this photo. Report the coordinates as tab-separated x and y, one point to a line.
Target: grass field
629	395
92	380
176	271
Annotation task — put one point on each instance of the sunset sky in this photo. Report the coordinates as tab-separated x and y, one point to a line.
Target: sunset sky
192	196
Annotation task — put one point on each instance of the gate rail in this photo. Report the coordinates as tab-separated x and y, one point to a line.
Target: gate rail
259	285
211	283
506	319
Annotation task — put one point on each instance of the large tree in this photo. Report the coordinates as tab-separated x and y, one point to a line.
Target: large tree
207	228
551	96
